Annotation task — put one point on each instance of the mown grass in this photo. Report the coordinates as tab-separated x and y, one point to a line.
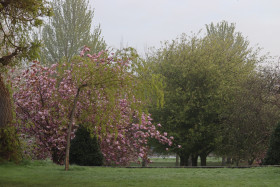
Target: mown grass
44	173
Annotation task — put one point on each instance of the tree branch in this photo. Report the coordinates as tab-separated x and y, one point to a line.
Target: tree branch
5	60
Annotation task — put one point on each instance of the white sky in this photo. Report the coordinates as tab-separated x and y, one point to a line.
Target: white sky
145	23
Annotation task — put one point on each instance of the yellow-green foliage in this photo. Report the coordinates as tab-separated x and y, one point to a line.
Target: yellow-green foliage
201	73
10	149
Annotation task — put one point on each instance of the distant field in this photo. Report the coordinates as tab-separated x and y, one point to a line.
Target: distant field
171	162
44	173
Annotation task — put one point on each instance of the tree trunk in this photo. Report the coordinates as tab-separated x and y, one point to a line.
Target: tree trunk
194	159
6	115
177	159
184	159
70	127
223	161
9	145
203	158
144	162
56	158
228	161
68	144
190	161
251	161
237	162
232	161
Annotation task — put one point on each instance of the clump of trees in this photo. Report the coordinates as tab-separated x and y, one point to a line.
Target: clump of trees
215	99
100	91
51	100
249	120
207	91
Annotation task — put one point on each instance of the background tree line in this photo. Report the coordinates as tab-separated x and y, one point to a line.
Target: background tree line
217	96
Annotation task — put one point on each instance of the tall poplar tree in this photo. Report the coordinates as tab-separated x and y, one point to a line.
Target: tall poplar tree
69	30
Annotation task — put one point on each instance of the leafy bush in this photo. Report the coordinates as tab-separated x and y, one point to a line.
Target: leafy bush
85	150
10	149
273	153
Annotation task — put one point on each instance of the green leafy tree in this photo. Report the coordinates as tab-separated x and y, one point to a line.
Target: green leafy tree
18	18
69	30
88	91
200	74
96	42
249	120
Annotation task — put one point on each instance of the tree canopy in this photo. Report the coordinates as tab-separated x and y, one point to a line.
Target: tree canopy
200	74
19	17
101	91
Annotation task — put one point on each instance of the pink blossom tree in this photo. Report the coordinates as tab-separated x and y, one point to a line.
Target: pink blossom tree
130	139
43	108
52	101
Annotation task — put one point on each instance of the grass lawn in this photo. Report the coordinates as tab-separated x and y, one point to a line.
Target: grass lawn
44	173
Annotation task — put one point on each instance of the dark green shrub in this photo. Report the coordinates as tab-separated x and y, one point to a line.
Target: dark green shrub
10	147
273	153
85	150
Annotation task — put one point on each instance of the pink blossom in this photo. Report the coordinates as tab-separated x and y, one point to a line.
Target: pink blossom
44	96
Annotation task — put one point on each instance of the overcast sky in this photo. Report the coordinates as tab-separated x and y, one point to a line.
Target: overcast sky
145	23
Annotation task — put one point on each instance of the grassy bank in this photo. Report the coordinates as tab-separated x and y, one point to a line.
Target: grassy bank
44	173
